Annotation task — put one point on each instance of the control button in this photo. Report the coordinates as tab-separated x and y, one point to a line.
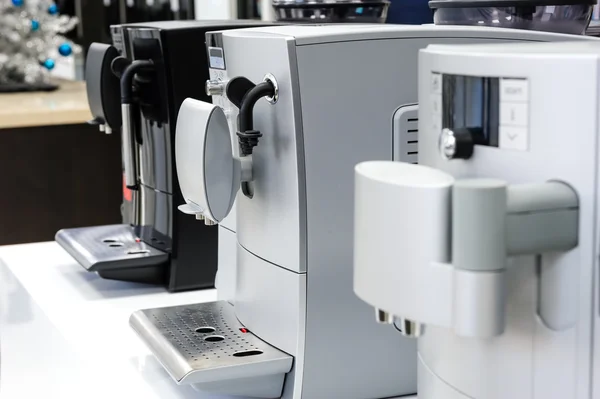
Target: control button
514	138
514	114
436	83
214	87
514	90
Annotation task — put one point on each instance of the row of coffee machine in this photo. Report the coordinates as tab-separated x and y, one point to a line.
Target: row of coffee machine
445	175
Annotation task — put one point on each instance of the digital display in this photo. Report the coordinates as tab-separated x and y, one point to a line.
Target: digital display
215	52
472	102
215	58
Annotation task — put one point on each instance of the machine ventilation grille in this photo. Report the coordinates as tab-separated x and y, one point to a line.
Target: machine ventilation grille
199	334
406	134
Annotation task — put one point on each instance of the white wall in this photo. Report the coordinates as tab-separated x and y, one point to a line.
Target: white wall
215	9
266	10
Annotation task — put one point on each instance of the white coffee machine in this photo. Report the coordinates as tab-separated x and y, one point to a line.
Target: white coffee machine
313	101
487	251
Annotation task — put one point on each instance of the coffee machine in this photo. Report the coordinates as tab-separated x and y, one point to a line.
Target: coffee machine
487	251
306	103
138	84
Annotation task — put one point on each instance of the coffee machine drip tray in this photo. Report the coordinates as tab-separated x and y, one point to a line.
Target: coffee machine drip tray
206	346
115	252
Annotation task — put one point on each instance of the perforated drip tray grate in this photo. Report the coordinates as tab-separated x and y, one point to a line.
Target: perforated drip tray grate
111	247
205	345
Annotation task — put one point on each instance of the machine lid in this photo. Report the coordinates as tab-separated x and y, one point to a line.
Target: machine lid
561	16
208	173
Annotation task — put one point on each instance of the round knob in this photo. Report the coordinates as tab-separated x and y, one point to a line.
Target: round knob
214	87
456	144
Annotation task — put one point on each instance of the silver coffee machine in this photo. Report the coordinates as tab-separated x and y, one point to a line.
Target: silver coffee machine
487	251
304	105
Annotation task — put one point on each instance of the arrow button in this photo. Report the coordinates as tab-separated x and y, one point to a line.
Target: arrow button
514	138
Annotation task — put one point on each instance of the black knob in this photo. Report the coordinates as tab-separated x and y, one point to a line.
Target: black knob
459	143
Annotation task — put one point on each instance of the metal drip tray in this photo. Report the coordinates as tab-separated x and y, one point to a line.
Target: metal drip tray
206	346
114	251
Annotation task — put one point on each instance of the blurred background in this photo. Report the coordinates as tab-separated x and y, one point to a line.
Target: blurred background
60	171
96	16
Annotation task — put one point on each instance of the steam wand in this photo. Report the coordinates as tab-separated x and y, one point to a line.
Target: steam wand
127	139
245	95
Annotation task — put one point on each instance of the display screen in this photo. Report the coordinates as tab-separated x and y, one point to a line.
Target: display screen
215	52
472	102
216	59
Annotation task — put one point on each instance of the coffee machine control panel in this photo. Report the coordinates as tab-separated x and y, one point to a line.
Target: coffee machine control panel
217	84
117	32
474	110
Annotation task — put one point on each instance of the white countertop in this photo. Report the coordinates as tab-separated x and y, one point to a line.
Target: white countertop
64	332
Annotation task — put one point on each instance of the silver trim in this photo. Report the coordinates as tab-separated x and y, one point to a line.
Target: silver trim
409	328
271	79
383	317
128	149
214	87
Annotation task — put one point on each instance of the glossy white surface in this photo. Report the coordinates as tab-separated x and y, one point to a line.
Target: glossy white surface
64	332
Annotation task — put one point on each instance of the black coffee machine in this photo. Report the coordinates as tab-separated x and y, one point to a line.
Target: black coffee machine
137	85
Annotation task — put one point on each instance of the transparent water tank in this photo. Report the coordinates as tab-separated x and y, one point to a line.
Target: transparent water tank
562	16
331	11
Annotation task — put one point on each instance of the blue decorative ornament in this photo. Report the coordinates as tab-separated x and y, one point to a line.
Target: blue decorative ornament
35	25
17	3
49	64
65	49
52	10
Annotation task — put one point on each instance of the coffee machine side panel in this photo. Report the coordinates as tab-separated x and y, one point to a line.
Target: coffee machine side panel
558	137
349	94
271	225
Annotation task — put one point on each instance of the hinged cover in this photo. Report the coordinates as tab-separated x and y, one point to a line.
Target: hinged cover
208	173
